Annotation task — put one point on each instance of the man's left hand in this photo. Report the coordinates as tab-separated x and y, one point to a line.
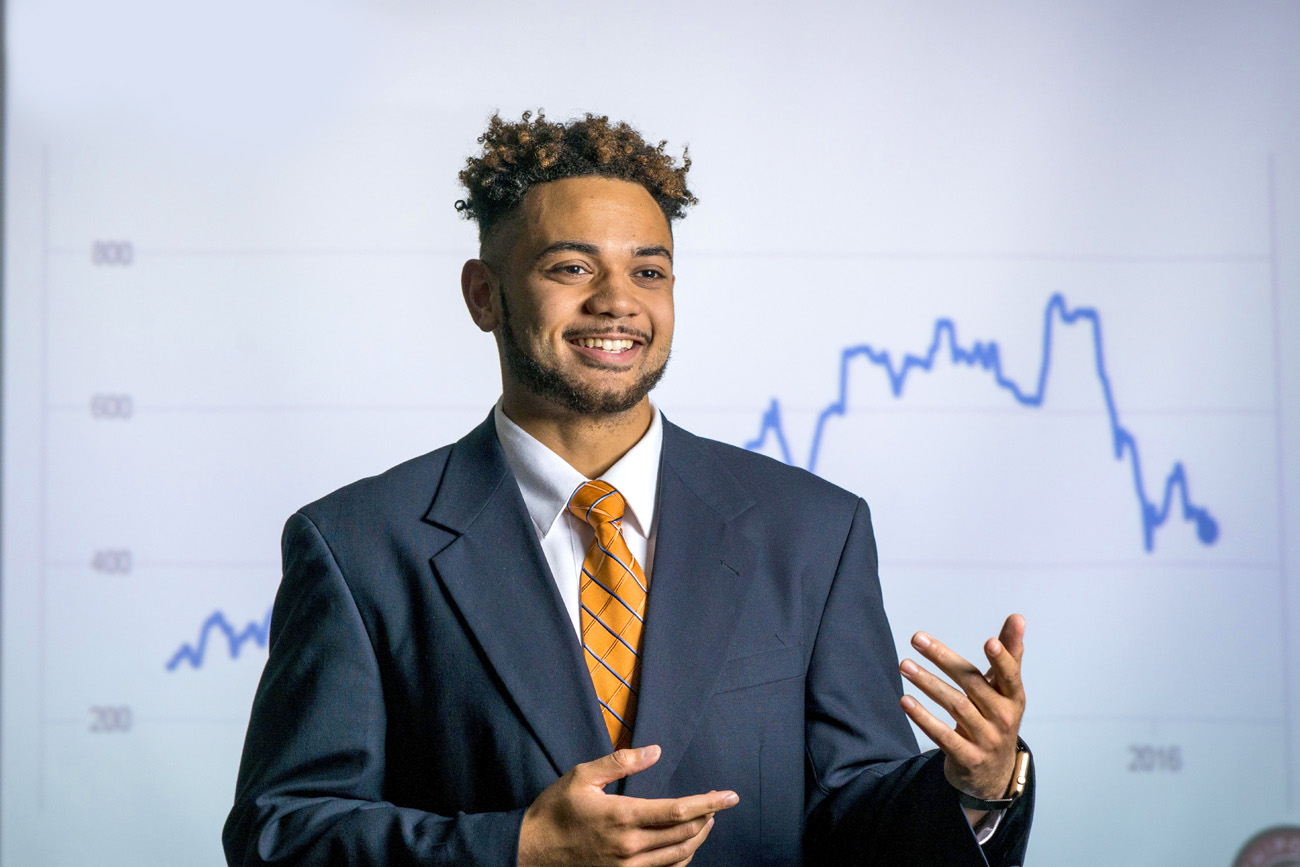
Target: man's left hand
980	749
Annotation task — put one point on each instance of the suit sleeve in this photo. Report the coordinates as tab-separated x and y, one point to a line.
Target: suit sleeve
871	798
311	781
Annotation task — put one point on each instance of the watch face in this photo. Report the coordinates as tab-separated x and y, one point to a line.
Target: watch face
1276	847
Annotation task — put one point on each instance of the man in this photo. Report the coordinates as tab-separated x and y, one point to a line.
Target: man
581	635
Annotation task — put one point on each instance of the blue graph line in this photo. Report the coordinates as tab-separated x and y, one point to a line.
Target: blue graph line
194	655
988	357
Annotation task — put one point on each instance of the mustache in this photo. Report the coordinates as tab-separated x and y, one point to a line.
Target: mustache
583	333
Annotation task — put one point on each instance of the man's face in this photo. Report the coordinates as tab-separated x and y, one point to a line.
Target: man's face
586	296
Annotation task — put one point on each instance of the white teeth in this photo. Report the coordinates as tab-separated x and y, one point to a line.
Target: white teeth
606	345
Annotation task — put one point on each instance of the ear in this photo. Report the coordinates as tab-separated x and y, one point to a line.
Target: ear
477	284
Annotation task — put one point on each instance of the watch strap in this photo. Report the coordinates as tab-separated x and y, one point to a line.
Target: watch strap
970	802
1019	781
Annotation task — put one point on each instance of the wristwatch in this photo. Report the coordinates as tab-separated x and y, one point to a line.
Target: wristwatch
1019	780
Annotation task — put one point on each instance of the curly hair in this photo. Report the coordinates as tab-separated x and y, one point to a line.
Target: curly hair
516	156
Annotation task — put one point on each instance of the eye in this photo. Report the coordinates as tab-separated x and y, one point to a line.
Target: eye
569	271
649	273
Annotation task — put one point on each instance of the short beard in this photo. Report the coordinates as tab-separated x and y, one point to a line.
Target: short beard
552	385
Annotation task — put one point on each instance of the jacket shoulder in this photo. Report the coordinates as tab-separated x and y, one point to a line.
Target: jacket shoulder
772	483
401	490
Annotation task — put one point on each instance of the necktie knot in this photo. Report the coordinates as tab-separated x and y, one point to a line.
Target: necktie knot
597	503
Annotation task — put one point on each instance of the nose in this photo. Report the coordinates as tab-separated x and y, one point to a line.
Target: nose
613	295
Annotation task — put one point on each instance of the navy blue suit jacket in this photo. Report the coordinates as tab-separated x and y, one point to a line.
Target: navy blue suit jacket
425	683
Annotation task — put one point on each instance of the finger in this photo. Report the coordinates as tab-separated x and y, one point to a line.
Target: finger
674	811
1012	636
965	675
943	736
968	715
674	855
1005	671
661	836
615	766
701	837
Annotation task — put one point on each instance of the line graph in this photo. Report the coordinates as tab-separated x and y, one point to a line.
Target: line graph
987	355
256	632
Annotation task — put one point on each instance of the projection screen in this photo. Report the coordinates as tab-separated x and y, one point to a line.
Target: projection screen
1026	276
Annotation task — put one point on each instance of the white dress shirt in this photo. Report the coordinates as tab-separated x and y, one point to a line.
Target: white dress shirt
547	481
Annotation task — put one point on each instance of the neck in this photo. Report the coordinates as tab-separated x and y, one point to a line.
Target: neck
591	444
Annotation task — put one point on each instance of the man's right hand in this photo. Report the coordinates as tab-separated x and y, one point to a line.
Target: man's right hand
573	821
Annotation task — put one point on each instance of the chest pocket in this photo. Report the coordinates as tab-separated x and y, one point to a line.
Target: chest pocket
756	669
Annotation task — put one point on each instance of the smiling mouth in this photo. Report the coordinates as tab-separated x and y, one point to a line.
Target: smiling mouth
605	344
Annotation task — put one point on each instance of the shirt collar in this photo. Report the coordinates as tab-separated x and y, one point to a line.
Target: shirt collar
547	481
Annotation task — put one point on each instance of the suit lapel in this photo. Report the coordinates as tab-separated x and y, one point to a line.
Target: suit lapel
494	570
697	589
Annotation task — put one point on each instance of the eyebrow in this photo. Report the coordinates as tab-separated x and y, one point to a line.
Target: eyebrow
593	250
656	250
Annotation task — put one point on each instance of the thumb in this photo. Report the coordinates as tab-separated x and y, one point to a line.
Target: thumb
615	766
1013	635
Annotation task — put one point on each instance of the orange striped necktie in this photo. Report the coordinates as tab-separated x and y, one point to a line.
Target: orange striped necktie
613	599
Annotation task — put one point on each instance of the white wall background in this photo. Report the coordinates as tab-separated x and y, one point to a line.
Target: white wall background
289	319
